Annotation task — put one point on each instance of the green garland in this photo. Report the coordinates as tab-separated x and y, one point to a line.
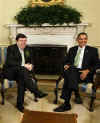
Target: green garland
55	14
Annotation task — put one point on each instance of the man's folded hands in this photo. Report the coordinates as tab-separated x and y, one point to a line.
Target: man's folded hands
28	66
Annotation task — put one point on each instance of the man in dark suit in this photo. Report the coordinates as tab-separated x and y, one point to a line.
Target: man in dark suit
18	65
79	66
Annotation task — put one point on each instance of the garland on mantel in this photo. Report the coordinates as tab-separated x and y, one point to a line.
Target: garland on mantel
53	15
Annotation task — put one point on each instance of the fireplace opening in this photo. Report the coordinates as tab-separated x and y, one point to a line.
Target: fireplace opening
48	59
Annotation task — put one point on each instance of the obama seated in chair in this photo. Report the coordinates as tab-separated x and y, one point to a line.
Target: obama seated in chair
18	66
79	66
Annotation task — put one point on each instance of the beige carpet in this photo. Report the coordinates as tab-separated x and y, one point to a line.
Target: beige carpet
9	114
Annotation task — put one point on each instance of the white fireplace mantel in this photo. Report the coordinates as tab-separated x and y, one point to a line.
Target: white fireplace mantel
47	34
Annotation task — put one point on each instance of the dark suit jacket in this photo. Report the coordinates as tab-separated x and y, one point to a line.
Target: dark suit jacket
14	59
90	58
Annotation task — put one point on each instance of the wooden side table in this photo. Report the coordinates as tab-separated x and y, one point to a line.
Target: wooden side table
48	117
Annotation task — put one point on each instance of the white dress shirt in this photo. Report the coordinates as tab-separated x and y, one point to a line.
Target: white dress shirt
81	56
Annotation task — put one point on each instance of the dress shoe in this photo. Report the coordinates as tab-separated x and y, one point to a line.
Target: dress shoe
78	100
62	108
40	94
21	109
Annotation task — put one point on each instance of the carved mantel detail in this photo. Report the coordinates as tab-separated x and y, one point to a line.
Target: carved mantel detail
47	34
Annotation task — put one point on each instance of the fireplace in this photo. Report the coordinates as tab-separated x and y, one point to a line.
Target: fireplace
48	59
49	43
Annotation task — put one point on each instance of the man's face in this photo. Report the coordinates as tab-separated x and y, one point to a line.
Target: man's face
22	42
82	40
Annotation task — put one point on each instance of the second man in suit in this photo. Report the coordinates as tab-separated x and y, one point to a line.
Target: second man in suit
79	65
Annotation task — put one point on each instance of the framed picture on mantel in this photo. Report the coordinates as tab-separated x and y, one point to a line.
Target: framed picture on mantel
47	2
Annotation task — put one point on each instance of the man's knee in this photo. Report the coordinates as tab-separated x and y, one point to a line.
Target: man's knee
66	73
71	73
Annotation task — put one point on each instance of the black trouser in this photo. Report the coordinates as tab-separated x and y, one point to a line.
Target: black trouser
71	81
24	81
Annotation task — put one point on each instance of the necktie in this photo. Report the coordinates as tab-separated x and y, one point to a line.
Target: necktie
23	59
77	58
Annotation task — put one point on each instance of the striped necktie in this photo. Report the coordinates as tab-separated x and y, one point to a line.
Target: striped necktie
77	58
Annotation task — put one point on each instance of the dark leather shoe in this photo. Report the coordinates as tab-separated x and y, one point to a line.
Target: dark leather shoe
78	100
62	108
40	94
21	109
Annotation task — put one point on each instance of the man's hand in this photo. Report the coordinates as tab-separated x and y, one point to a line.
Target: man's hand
84	74
28	66
66	67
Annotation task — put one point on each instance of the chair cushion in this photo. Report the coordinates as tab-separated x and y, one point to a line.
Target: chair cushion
7	84
86	87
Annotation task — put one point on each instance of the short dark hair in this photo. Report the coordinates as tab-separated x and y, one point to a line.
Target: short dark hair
82	33
20	35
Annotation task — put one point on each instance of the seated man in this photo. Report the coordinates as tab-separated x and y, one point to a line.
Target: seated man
18	66
80	65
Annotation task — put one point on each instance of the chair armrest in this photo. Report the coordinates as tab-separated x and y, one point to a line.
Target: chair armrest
98	71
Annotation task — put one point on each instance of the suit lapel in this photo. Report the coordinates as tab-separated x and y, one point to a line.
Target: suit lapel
25	53
18	53
73	54
76	48
85	57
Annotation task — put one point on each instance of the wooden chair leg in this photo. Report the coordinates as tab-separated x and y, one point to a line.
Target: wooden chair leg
2	92
56	90
35	98
91	107
56	96
93	97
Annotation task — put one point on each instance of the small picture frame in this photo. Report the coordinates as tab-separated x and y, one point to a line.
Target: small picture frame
46	2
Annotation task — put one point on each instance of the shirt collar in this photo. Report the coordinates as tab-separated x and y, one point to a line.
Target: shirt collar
21	50
82	47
